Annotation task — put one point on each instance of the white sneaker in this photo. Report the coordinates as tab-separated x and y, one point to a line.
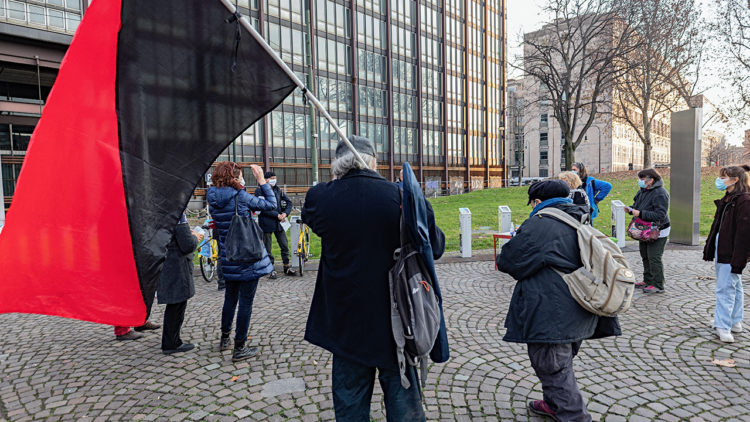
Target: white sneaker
725	335
737	328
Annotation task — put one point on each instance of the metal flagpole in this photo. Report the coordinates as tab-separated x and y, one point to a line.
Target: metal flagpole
249	27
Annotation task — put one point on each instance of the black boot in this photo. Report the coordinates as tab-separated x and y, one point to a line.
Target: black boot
225	343
241	352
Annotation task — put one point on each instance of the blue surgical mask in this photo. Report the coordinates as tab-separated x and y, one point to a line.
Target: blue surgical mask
720	185
575	171
641	183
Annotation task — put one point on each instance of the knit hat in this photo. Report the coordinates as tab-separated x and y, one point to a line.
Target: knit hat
361	144
269	174
547	189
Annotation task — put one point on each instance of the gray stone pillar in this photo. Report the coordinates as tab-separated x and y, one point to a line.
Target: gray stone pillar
685	181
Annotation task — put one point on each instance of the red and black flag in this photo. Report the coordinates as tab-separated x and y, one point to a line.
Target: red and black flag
148	95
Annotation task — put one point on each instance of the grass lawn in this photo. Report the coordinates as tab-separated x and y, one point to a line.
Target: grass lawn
483	205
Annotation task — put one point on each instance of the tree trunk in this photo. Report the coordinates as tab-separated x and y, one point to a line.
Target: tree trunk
647	147
570	156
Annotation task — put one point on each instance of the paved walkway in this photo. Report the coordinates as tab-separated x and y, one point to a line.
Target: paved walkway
660	369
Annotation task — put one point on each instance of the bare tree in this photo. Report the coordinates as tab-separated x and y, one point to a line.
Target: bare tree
573	58
660	75
733	28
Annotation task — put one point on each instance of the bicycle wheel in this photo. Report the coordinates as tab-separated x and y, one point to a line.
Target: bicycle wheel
301	259
208	268
308	254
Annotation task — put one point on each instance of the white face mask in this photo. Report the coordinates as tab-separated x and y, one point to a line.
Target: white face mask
242	181
272	182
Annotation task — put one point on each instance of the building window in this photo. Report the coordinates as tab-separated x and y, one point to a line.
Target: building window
543	121
543	173
543	139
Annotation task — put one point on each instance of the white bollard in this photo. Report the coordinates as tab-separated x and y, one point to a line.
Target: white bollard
505	224
294	235
464	222
618	222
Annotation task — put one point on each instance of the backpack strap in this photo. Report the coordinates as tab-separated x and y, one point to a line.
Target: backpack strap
562	216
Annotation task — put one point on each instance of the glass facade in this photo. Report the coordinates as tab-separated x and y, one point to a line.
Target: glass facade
425	80
50	15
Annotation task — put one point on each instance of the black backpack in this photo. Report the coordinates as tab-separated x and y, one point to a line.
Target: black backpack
415	311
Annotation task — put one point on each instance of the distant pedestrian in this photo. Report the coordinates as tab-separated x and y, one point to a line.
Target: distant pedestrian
176	286
358	216
241	279
650	205
270	223
728	245
596	189
577	194
542	312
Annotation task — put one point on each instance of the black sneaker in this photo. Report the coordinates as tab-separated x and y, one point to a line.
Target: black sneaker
148	326
244	353
225	344
273	275
184	347
289	271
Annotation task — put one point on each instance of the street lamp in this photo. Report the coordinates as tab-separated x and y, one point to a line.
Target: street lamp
599	135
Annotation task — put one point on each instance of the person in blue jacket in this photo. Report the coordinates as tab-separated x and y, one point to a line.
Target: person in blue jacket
596	189
241	278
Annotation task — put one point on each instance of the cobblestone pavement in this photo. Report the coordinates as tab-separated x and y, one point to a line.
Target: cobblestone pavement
660	369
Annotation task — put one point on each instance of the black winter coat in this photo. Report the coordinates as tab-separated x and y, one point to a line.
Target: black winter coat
269	220
732	225
542	309
176	280
653	204
357	218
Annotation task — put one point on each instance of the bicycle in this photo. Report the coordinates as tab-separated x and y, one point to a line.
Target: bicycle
208	258
303	246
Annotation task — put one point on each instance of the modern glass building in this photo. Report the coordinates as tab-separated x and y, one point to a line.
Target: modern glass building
425	80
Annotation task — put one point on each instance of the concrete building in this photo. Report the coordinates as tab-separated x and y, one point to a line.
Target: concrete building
424	80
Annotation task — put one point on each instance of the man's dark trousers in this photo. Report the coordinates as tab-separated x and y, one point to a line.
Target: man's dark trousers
283	245
553	364
174	315
352	385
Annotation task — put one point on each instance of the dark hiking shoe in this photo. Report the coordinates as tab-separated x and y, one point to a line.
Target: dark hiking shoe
225	344
244	353
273	275
289	271
652	289
148	326
540	407
130	335
184	347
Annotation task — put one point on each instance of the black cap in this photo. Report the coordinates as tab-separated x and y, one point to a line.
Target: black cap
361	144
547	189
269	174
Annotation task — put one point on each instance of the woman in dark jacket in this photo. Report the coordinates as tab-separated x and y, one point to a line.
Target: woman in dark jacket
176	286
542	312
728	245
241	279
651	204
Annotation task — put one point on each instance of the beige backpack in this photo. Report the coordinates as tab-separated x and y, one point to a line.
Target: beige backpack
605	284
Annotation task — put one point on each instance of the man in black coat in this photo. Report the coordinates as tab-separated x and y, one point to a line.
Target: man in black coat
270	223
542	312
357	216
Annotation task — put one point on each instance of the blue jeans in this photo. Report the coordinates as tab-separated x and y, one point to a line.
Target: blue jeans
729	297
244	293
352	386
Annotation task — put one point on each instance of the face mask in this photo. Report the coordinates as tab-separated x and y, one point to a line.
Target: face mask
272	182
720	185
641	184
242	181
575	171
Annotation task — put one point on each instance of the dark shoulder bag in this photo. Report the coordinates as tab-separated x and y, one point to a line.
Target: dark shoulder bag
244	241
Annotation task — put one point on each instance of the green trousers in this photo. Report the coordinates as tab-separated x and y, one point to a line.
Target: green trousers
653	267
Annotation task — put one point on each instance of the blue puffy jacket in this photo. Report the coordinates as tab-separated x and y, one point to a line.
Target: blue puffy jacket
221	206
596	190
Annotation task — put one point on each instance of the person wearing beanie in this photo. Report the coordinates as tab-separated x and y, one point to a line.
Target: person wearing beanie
350	314
542	312
270	223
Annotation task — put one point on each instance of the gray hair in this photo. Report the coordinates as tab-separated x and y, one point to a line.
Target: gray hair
342	165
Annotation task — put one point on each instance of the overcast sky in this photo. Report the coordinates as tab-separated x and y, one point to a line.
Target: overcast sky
527	16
